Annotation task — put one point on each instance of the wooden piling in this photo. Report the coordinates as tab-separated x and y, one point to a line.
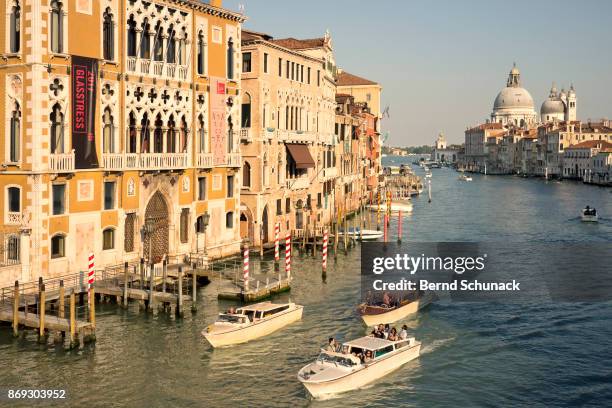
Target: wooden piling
142	273
179	306
73	338
41	314
164	275
194	288
16	310
126	272
62	300
151	286
92	306
314	239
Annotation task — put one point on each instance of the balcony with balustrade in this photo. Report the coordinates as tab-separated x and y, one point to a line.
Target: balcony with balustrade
204	160
145	161
298	183
246	135
61	162
148	67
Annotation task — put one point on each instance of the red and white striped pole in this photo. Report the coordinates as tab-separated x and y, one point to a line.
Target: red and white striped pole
90	273
288	255
324	251
399	227
245	267
276	243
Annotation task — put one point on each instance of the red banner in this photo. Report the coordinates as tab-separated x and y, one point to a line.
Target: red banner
84	81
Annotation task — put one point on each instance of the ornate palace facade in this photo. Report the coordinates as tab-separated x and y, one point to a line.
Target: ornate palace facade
121	133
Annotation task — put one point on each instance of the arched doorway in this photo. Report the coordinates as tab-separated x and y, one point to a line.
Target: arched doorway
246	224
264	225
156	236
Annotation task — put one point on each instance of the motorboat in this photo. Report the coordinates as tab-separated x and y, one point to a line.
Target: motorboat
374	314
396	206
463	177
362	234
589	214
358	363
251	322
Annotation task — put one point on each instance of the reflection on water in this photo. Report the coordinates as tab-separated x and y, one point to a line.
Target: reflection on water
473	353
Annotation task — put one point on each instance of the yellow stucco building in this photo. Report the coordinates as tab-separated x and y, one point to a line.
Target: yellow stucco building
121	133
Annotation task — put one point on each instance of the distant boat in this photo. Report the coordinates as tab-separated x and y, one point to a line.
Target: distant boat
395	207
589	214
463	177
364	235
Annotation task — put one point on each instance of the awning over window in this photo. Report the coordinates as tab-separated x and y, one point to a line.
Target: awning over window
301	155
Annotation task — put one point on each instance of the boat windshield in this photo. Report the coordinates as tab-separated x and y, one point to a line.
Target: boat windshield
229	318
336	359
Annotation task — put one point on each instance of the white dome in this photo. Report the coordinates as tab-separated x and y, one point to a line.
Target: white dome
552	107
513	98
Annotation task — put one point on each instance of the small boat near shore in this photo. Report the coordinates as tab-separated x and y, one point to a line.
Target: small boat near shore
375	314
363	235
360	362
396	206
251	322
463	177
589	214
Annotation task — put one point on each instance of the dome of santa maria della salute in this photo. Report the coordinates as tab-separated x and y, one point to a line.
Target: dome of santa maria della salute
514	104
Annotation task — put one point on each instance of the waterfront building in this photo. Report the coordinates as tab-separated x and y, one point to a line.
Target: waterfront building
578	160
120	134
476	137
601	164
288	157
514	104
442	152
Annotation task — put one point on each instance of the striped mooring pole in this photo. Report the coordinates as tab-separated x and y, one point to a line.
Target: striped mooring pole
245	267
324	250
288	255
90	271
276	243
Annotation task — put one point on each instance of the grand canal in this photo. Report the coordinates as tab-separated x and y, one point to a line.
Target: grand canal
534	353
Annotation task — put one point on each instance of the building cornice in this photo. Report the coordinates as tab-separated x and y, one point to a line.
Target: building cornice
213	11
246	43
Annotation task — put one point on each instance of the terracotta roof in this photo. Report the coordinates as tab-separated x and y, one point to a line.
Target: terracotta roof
248	35
606	150
295	44
483	126
591	144
346	79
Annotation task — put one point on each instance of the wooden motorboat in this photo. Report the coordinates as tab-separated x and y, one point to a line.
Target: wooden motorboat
375	314
589	214
251	322
364	235
358	363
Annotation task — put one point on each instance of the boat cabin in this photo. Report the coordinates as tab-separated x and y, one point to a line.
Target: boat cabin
354	352
261	310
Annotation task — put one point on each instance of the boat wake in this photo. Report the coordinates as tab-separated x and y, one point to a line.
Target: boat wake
436	344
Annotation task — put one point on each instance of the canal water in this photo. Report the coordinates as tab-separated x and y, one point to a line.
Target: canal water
534	353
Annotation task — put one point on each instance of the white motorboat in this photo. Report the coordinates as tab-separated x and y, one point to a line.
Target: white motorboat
396	206
589	214
364	235
375	314
360	362
251	322
463	177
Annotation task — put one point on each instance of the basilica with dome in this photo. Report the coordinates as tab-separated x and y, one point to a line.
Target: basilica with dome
514	105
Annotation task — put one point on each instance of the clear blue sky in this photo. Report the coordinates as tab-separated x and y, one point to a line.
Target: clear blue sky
441	63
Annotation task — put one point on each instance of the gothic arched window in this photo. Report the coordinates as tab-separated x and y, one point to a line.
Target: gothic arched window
182	48
246	174
15	136
230	59
171	48
131	37
201	53
184	135
15	35
202	145
145	40
108	36
57	129
158	43
108	132
57	27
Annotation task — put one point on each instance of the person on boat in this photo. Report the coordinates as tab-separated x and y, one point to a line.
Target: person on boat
379	332
387	330
386	300
231	310
403	335
345	349
367	357
332	345
393	335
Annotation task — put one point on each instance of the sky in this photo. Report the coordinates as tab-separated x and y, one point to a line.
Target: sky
441	63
